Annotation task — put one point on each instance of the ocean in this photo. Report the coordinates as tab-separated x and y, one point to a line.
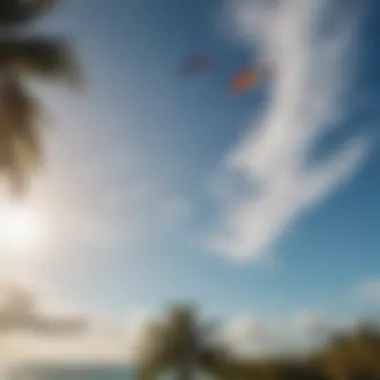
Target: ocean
78	372
66	372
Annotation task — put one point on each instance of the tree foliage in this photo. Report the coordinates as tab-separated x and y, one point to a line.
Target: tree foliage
22	57
353	355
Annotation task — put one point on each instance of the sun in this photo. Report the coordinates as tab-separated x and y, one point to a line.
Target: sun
19	229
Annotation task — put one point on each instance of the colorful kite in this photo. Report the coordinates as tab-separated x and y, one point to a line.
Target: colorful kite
246	79
243	81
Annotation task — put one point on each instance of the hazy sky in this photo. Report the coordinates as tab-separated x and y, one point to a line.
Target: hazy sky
161	187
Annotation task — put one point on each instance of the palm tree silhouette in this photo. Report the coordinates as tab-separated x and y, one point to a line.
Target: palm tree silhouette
181	342
22	57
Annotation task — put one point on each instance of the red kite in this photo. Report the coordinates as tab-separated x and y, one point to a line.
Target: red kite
244	80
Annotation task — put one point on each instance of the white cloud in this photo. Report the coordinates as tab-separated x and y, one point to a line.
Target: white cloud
249	335
36	332
31	331
312	76
94	348
246	327
105	340
19	311
306	321
368	290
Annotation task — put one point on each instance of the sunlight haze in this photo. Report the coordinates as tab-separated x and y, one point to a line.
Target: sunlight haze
224	152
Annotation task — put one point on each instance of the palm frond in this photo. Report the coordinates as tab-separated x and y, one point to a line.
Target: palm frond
47	58
21	116
18	178
18	12
150	370
154	354
20	134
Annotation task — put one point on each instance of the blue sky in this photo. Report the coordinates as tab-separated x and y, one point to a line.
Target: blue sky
148	190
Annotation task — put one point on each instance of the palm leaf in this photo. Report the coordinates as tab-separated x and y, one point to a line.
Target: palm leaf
153	344
150	370
20	135
17	173
22	119
47	58
154	354
18	12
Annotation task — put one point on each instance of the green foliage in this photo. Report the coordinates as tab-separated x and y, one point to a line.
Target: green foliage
346	356
178	343
18	12
43	57
23	57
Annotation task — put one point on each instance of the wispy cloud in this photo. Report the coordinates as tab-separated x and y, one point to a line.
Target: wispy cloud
19	312
34	328
313	68
368	290
304	330
37	326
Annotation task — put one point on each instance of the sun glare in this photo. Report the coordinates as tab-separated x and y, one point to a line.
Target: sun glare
19	229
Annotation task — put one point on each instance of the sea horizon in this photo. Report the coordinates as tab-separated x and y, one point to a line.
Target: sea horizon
69	370
78	371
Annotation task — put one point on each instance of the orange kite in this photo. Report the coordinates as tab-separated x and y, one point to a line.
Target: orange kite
244	80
